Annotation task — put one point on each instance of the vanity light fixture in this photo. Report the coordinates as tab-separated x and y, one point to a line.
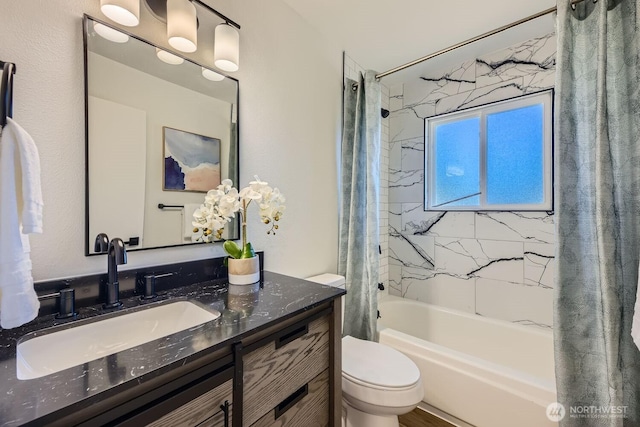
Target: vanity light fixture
110	33
169	58
211	75
182	25
226	51
124	12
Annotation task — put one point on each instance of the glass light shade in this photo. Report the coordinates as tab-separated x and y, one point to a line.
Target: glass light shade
124	12
211	75
226	52
109	33
169	58
182	25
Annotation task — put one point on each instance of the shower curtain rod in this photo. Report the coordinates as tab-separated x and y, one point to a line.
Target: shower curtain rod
472	40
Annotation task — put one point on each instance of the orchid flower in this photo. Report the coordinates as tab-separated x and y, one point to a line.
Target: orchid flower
221	204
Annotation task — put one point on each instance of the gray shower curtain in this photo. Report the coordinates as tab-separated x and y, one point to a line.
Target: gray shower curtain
598	212
359	217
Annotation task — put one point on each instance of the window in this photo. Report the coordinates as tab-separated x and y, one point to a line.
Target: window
493	157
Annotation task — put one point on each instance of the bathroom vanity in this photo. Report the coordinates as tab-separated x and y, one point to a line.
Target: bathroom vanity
272	358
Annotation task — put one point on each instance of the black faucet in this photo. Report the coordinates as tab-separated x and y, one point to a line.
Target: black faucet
101	245
116	255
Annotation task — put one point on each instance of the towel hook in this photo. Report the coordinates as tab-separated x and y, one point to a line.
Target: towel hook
6	91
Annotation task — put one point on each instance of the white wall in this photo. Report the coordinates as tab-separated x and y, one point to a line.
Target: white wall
290	96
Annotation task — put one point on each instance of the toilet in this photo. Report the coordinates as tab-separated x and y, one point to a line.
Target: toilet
378	382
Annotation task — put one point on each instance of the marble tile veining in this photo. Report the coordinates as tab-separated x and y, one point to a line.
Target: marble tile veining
533	57
481	258
395	215
482	95
441	289
405	186
536	227
539	264
412	154
435	86
410	250
495	264
440	224
405	123
526	305
395	274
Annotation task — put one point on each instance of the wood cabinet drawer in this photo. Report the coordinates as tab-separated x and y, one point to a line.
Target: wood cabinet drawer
311	410
202	411
276	370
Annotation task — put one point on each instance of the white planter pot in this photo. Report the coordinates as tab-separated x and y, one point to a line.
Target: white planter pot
244	271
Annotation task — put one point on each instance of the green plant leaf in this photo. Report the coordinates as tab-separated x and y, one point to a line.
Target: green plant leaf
232	249
247	251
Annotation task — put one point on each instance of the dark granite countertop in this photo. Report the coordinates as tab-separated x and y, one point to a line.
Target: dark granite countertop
244	310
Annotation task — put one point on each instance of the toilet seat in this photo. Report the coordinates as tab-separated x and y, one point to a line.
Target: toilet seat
376	397
361	383
377	365
379	375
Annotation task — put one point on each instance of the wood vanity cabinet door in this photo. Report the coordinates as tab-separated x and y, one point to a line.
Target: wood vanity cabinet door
309	408
276	370
203	411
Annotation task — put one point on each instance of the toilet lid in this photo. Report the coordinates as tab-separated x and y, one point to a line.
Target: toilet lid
377	364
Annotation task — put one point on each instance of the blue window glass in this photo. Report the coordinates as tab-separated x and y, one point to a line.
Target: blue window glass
515	150
492	157
457	163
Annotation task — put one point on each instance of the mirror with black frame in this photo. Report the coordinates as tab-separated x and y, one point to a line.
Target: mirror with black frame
161	131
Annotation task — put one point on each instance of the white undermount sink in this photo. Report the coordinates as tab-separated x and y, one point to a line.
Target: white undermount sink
54	352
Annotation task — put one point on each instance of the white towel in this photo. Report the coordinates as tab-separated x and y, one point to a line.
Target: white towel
635	325
20	214
187	220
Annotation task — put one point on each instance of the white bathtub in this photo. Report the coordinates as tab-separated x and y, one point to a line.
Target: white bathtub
488	373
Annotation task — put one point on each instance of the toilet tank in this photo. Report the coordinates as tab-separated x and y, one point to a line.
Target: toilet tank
334	280
328	279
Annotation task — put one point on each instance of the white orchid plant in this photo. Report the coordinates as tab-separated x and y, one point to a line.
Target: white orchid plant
221	204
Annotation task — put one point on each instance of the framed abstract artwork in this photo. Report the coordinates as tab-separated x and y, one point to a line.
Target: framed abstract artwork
191	161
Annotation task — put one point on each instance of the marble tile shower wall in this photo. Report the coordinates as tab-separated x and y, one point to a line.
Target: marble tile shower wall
494	264
351	71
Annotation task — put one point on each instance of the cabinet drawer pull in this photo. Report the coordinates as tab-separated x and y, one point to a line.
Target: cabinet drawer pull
291	336
290	401
225	409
